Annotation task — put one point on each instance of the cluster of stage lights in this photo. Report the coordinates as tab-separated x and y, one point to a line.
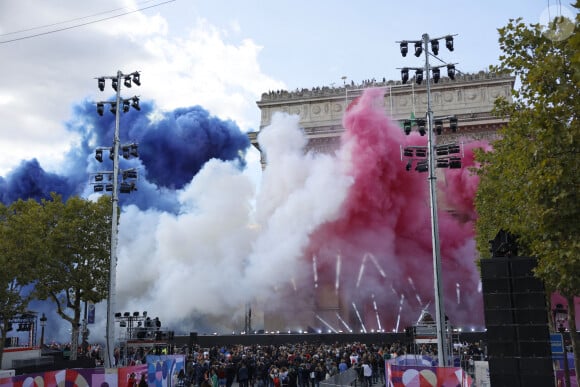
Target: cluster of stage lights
133	102
421	125
436	70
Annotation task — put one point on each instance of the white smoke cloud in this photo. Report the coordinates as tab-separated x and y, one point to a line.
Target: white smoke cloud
220	251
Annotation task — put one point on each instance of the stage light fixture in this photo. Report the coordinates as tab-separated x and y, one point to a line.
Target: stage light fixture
453	124
449	42
109	187
133	150
99	155
454	163
442	150
136	78
100	108
404	75
422	166
127	187
451	71
407	127
113	108
435	46
418	49
118	314
135	103
442	163
127	82
101	83
126	105
419	76
421	152
408	152
409	165
453	149
114	84
436	74
99	188
135	314
99	177
421	126
404	48
439	126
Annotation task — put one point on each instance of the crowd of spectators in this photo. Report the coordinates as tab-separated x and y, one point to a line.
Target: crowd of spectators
291	365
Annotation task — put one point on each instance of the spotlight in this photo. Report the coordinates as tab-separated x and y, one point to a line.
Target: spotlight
99	155
453	124
435	46
404	48
99	177
115	84
136	78
439	126
442	163
100	108
421	152
135	314
418	49
99	188
129	174
408	152
109	187
454	163
442	150
451	71
409	165
404	75
421	126
135	103
127	314
419	76
126	105
101	83
407	127
113	108
133	150
422	166
127	82
454	148
449	42
127	187
125	150
436	74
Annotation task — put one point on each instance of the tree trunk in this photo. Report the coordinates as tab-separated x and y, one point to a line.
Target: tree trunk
573	334
74	341
2	344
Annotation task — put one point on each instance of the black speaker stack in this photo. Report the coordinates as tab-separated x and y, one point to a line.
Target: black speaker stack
516	318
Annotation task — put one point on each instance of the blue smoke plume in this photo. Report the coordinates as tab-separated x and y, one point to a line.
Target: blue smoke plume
173	147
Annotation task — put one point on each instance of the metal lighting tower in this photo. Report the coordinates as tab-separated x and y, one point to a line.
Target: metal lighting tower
442	354
114	189
431	151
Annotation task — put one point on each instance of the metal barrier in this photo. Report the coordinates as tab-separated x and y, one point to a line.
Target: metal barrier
346	378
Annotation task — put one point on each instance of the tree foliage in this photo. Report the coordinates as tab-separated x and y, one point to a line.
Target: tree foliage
73	265
530	181
17	243
62	249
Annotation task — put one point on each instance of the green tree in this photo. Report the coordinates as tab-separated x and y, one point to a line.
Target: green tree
73	266
17	241
530	181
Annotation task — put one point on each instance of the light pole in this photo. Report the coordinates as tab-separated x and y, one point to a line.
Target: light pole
429	166
560	318
116	80
42	325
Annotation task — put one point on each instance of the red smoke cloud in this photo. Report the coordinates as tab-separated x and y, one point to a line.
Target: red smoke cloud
386	218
